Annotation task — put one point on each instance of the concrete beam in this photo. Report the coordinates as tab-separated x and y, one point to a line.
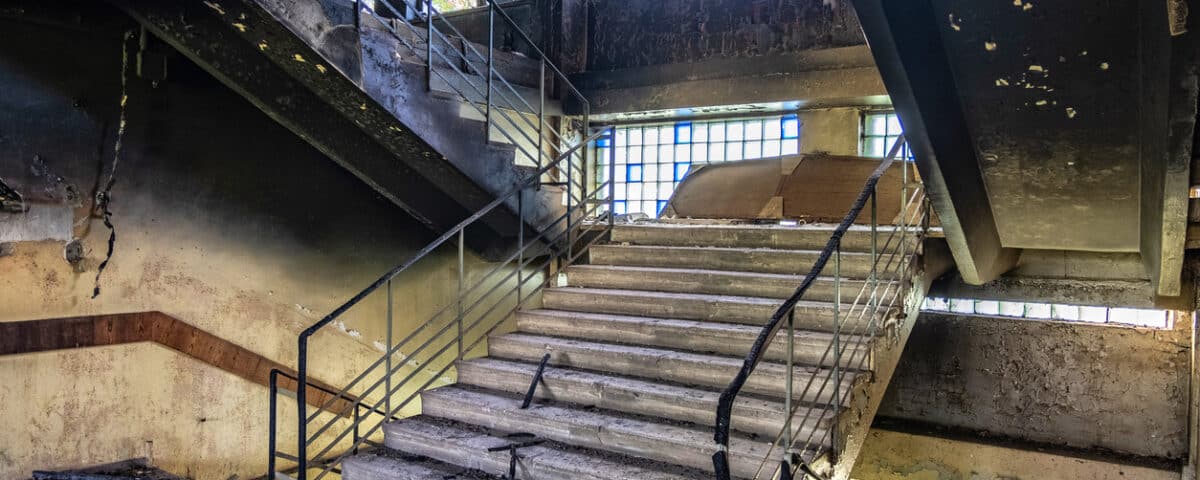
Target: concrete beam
907	47
821	78
325	108
1169	93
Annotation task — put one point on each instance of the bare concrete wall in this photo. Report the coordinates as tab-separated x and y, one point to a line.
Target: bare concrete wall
1086	386
224	220
894	455
830	130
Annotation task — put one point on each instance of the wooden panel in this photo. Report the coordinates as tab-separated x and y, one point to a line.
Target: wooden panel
813	188
77	332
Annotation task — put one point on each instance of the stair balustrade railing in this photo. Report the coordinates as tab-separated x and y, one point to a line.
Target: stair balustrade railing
351	418
471	73
883	296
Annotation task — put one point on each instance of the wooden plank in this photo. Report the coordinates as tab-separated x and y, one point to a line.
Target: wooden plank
35	336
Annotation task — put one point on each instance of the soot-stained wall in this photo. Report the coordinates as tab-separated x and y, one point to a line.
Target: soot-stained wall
1070	384
633	33
224	220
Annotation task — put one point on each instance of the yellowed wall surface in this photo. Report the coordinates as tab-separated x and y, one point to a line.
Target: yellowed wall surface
889	455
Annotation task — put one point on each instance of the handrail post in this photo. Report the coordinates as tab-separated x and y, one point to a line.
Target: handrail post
273	387
570	224
837	340
487	130
541	109
873	300
785	463
429	44
388	372
458	297
904	206
612	179
520	246
302	407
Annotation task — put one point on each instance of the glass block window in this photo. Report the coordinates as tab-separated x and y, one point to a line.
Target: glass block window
1137	317
652	159
879	132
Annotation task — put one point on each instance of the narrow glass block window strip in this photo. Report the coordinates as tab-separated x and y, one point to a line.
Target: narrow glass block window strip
880	130
651	160
1137	317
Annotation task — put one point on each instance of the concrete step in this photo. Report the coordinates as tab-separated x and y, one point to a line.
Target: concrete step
684	368
630	395
804	237
467	445
391	465
611	432
811	348
816	316
761	260
712	282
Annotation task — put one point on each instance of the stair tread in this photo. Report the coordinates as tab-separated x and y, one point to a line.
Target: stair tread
736	330
610	391
685	368
611	431
728	249
550	460
386	464
707	297
638	269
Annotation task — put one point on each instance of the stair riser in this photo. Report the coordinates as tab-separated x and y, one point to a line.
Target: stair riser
683	281
788	239
610	438
765	261
749	415
809	349
768	379
807	318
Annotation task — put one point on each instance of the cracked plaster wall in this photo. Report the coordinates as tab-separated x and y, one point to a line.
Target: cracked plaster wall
1069	384
224	220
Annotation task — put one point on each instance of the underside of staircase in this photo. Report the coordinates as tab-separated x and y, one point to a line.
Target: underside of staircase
640	343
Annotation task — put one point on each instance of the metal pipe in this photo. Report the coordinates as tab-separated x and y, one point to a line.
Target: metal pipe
837	333
302	406
541	108
273	387
460	292
429	44
491	48
520	245
612	177
388	375
787	399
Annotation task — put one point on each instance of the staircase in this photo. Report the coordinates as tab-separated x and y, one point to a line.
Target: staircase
640	342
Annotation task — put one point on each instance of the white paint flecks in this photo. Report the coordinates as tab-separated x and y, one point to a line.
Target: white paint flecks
1000	82
1036	68
989	46
1104	65
954	23
1071	112
299	58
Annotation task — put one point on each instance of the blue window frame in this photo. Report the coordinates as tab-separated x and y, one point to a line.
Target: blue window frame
652	159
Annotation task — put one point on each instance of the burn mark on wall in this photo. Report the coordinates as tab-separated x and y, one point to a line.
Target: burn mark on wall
10	200
625	34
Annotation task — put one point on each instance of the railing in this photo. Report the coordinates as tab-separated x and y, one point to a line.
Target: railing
353	415
884	292
471	74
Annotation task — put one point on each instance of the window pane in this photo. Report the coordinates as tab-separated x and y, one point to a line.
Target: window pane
1012	309
716	152
791	127
622	137
1037	310
666	153
683	133
716	132
635	173
683	153
987	307
753	149
754	130
893	124
876	125
699	153
733	151
650	173
649	154
771	148
666	135
621	154
635	136
771	130
1093	314
700	133
734	132
681	170
790	147
666	172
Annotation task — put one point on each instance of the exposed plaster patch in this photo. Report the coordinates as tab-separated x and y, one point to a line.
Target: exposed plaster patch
216	7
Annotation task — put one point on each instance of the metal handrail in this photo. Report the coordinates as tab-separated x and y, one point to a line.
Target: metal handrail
786	311
529	249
